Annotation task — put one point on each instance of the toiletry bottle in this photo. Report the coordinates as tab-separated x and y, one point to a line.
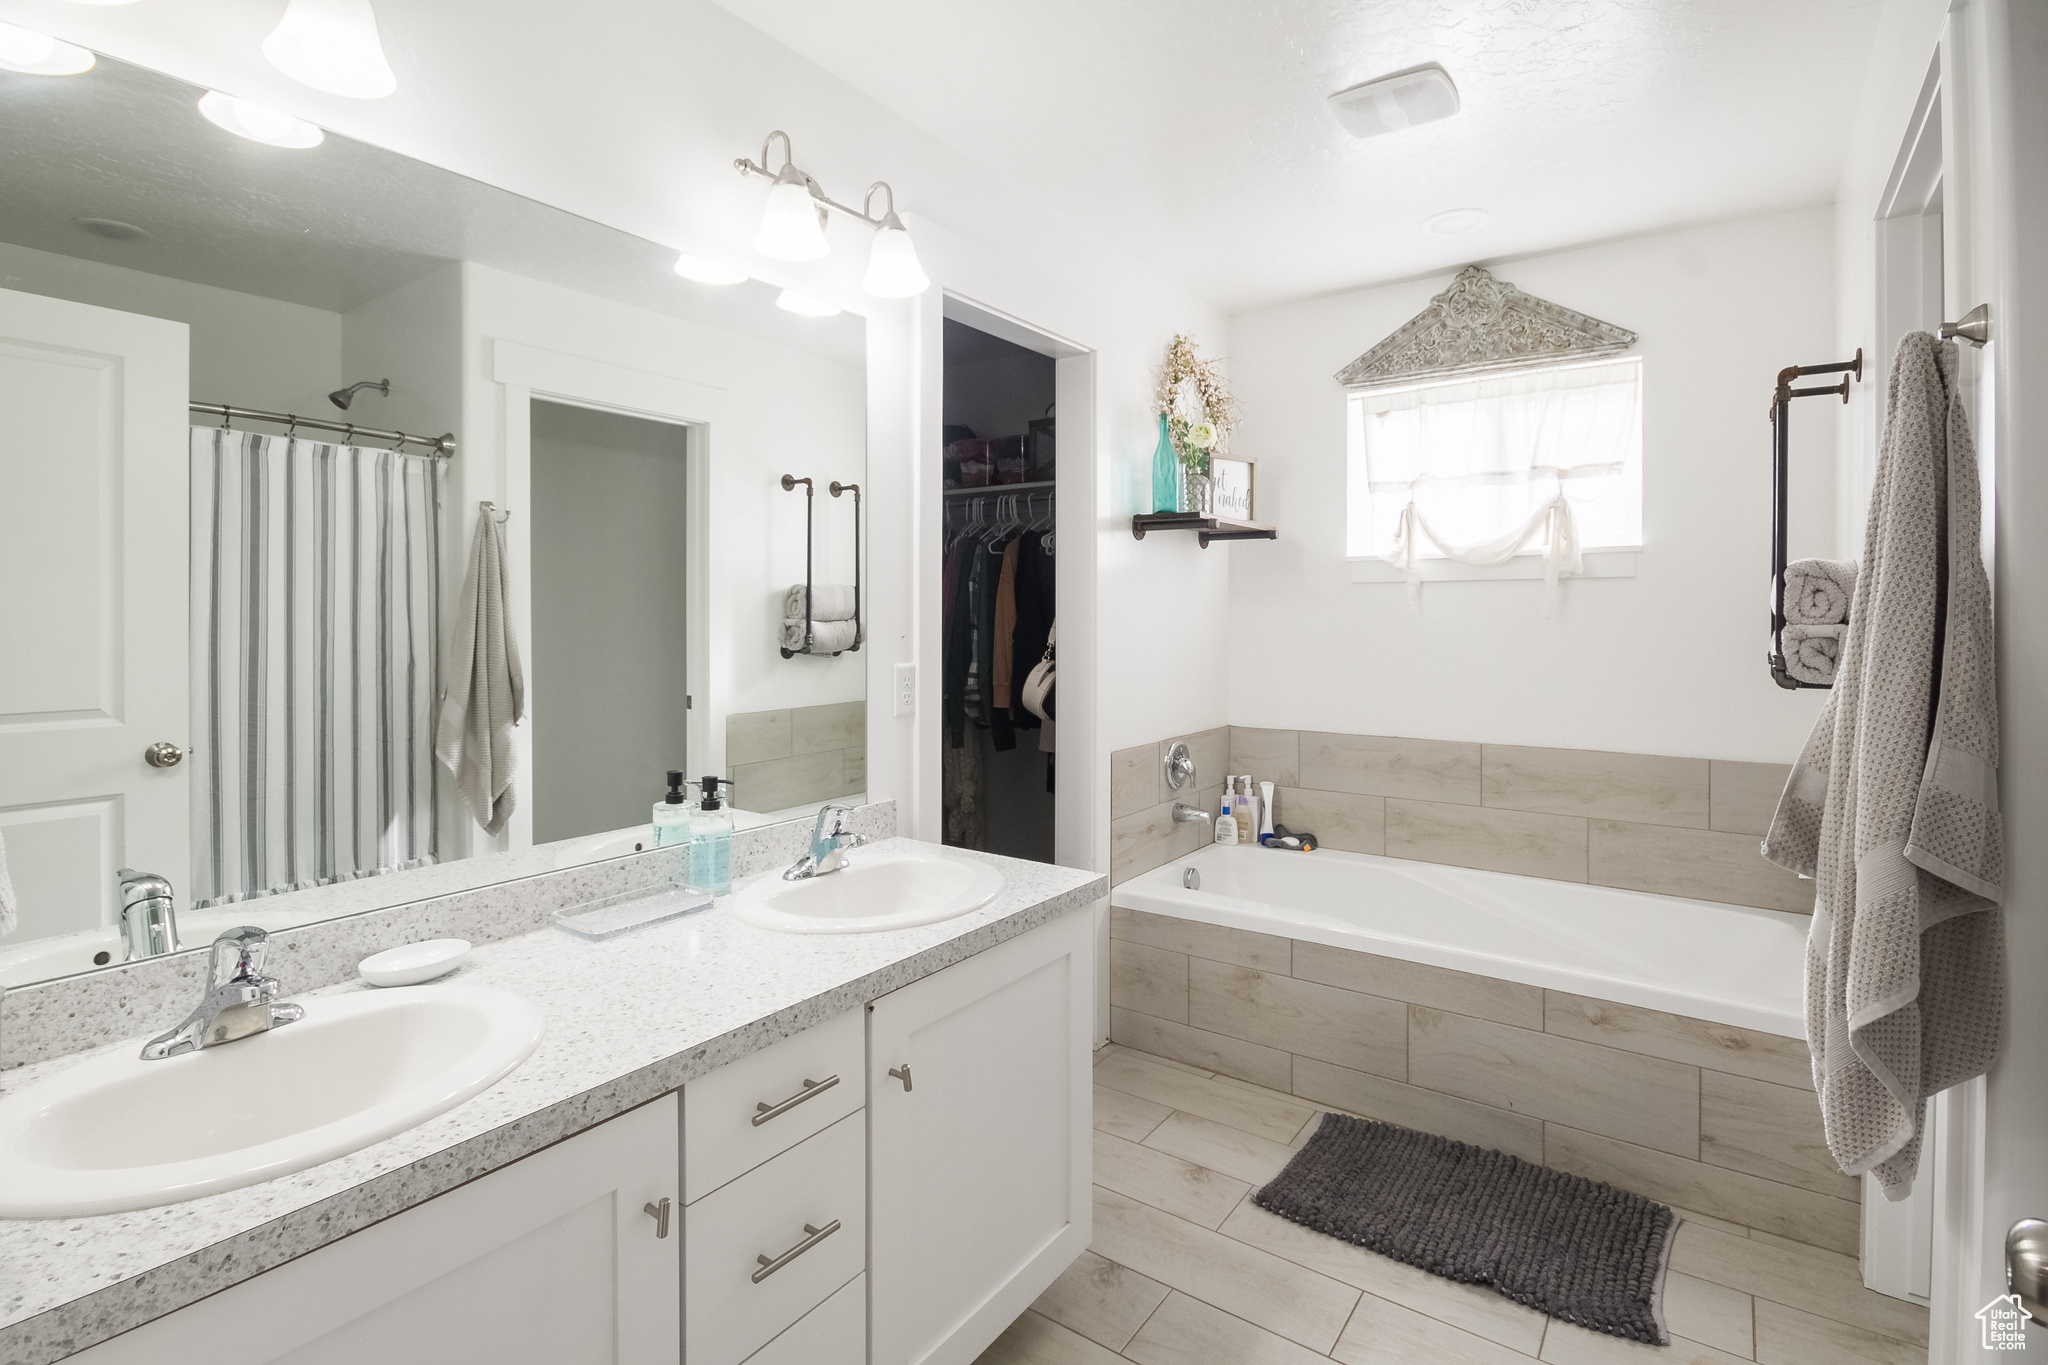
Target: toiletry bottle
1265	811
1226	828
1229	806
1248	812
672	816
710	841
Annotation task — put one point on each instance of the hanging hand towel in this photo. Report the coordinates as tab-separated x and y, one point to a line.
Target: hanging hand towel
1813	652
1817	592
486	693
827	637
1896	820
830	602
7	907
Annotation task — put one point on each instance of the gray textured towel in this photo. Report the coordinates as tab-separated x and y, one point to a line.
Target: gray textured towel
1896	819
1818	591
832	602
486	693
1813	652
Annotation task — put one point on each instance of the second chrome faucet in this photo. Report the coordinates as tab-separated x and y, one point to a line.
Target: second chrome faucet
239	1000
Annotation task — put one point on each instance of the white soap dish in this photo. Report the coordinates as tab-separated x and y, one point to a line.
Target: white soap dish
415	962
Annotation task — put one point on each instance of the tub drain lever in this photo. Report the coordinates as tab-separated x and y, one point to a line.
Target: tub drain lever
1191	878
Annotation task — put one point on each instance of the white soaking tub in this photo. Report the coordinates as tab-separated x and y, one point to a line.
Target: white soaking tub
1727	964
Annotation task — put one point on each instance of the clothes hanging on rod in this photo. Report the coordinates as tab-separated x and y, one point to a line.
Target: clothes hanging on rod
997	603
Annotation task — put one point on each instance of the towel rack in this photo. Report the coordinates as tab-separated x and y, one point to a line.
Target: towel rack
1781	456
836	488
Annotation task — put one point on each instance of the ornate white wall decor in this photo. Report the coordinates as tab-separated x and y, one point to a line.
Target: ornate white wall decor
1481	324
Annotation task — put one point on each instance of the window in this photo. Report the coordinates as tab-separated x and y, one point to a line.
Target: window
1535	465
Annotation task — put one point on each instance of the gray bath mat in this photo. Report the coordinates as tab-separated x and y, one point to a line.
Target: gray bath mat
1578	1250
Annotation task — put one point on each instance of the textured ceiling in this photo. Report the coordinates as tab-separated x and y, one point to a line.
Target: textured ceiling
329	227
1195	131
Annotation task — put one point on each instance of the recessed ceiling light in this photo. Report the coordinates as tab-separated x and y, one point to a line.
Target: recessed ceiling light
102	2
1421	94
258	122
113	229
806	306
1451	222
38	54
332	45
707	272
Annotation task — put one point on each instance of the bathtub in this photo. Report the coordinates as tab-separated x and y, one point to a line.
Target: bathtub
1725	964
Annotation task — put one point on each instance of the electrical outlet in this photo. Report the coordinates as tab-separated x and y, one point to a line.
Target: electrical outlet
906	691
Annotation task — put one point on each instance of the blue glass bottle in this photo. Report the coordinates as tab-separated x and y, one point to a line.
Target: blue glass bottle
1166	482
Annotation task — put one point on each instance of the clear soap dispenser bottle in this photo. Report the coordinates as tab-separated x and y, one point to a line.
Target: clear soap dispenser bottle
672	815
711	841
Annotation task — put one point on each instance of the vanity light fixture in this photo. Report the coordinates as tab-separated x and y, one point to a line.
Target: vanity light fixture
793	224
38	54
805	306
331	45
258	122
707	272
1451	222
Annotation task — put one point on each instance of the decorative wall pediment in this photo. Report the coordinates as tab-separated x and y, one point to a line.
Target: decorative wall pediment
1482	324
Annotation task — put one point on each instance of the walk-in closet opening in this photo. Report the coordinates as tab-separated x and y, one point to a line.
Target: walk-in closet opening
1000	566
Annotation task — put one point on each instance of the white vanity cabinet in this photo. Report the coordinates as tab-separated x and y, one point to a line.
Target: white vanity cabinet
979	1154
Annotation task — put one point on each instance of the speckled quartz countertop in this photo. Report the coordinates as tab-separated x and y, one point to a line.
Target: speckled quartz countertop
627	1021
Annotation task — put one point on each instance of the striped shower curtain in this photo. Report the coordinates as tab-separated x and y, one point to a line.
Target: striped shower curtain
315	630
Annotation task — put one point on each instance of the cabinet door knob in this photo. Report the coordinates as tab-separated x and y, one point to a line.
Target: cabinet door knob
902	1073
163	754
659	1213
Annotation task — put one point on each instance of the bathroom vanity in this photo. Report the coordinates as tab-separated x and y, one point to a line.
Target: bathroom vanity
731	1145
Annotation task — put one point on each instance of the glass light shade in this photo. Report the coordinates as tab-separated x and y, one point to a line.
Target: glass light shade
806	306
893	271
790	230
707	272
258	122
332	45
38	54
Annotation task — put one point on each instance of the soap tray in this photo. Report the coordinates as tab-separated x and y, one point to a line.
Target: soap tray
622	914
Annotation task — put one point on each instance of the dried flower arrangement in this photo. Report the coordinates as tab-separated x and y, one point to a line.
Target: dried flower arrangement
1199	410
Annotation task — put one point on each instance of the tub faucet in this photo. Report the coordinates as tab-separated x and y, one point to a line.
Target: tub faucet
830	838
149	919
239	1000
1184	814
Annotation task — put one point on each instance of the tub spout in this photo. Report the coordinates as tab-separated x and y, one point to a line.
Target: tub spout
1184	814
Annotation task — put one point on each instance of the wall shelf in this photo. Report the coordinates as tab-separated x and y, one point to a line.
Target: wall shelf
1206	529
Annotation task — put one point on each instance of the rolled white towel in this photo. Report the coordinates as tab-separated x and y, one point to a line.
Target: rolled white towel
1818	591
827	637
830	602
1813	653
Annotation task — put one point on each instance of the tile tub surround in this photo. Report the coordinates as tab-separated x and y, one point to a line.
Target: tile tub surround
67	1014
1705	1116
1674	826
628	1020
798	755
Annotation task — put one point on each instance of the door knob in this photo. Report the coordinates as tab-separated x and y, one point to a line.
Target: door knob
163	754
2026	1265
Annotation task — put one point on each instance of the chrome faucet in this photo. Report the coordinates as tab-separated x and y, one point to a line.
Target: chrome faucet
149	920
1184	814
239	1000
830	839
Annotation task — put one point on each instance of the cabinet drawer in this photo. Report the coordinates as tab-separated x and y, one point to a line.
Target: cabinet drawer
727	1131
833	1333
728	1313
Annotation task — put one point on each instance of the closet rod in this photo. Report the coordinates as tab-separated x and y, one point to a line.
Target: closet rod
440	447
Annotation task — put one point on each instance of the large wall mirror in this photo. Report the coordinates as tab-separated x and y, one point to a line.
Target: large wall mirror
227	640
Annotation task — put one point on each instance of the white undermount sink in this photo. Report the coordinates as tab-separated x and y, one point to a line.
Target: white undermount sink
875	890
116	1132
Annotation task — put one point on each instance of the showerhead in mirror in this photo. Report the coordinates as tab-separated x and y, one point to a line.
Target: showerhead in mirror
341	398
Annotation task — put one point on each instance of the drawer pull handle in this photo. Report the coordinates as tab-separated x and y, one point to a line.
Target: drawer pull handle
659	1213
765	1111
812	1236
902	1073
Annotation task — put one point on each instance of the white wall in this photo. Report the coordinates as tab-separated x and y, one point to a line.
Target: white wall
250	351
1670	661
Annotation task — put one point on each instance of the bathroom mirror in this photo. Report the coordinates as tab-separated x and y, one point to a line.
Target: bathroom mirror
225	639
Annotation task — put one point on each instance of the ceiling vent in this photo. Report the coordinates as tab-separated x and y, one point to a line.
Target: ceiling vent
1421	94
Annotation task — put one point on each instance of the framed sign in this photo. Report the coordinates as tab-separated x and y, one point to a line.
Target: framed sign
1233	483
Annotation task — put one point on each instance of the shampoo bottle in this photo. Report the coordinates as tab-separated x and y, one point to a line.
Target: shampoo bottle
710	841
672	816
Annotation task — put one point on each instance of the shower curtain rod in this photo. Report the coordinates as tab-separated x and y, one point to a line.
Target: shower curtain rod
440	447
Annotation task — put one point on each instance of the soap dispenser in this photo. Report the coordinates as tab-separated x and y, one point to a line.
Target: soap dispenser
672	815
710	825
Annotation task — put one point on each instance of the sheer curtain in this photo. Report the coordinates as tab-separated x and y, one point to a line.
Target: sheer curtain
1542	461
315	635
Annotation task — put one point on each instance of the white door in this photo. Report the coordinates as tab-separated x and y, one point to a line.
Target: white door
979	1160
550	1261
93	527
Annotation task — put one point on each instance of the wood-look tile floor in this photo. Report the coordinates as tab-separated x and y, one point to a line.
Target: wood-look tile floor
1185	1270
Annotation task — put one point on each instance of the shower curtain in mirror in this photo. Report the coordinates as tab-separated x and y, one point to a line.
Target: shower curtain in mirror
315	630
